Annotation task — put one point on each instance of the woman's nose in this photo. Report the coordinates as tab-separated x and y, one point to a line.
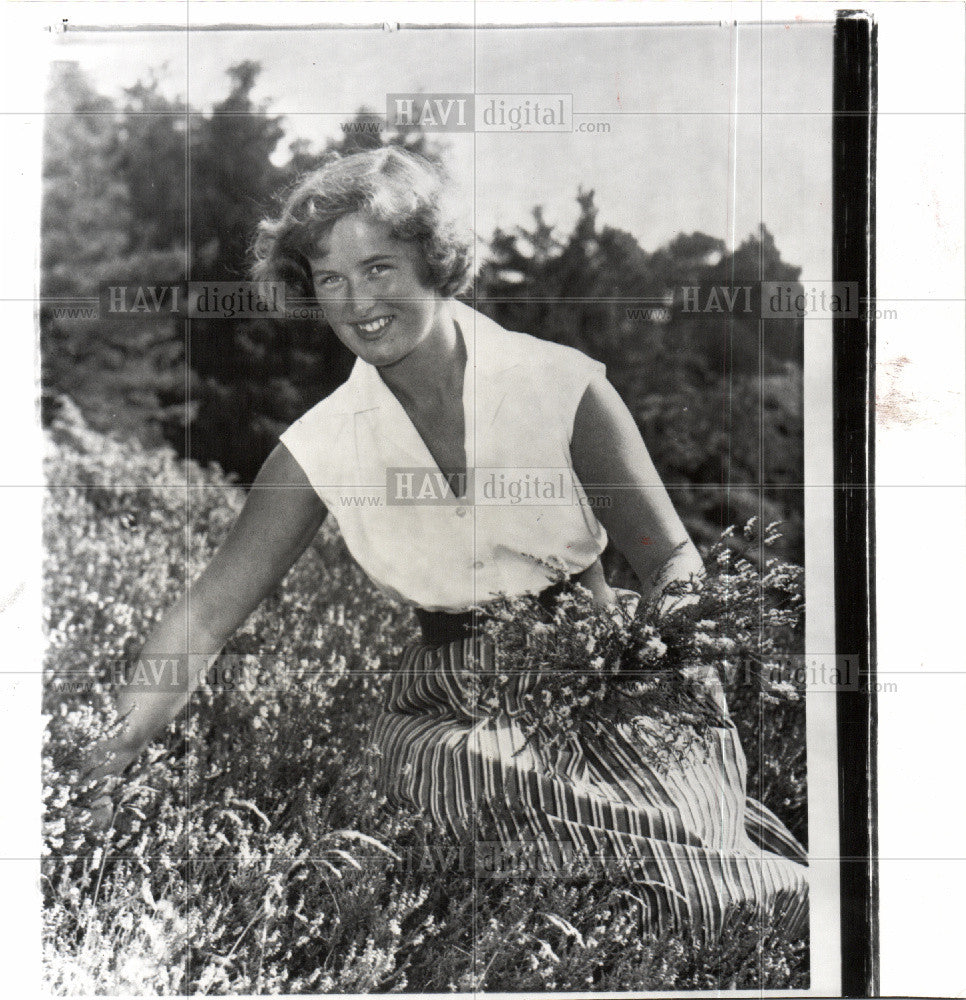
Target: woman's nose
356	304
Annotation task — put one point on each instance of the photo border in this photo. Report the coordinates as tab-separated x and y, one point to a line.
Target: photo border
853	176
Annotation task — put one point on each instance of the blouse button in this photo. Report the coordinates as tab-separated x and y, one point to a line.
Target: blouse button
461	512
478	564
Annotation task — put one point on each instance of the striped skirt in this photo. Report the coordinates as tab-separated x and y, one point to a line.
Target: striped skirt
703	856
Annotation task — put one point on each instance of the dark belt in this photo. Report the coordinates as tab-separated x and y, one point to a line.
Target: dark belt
439	627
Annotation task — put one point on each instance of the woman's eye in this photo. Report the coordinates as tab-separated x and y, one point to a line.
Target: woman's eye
377	269
327	281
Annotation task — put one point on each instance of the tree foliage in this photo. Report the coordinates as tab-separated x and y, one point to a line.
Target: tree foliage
126	376
719	416
716	392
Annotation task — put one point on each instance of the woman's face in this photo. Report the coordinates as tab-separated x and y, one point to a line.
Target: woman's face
370	288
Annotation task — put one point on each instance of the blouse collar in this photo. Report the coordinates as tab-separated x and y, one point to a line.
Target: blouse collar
488	353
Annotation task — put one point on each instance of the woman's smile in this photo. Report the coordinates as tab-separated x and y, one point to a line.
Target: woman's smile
372	329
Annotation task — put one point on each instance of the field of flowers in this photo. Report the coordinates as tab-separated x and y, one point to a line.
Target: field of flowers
251	852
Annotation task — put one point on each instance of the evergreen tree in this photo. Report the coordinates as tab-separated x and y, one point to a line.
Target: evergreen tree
151	160
123	372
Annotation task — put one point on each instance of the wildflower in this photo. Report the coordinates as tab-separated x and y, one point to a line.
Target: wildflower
784	689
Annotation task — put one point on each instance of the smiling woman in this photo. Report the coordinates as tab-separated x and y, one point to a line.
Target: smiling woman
375	239
372	291
438	388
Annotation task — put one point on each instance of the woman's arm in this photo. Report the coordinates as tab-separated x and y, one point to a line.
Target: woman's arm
628	497
281	515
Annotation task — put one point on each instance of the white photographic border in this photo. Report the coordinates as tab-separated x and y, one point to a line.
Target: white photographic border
920	592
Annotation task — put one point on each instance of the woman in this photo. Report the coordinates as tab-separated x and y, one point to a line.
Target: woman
441	407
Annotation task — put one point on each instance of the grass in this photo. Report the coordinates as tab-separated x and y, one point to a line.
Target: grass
252	852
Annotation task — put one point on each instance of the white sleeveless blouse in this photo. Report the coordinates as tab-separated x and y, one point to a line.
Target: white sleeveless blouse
523	503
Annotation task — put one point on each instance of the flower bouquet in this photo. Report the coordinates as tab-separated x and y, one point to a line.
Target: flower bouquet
657	665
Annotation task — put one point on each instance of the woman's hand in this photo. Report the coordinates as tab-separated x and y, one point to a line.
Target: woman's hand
100	813
605	596
105	765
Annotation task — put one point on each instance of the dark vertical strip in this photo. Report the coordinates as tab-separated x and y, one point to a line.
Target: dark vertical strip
854	413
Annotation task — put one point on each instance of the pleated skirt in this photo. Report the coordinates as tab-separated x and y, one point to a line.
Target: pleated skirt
702	855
